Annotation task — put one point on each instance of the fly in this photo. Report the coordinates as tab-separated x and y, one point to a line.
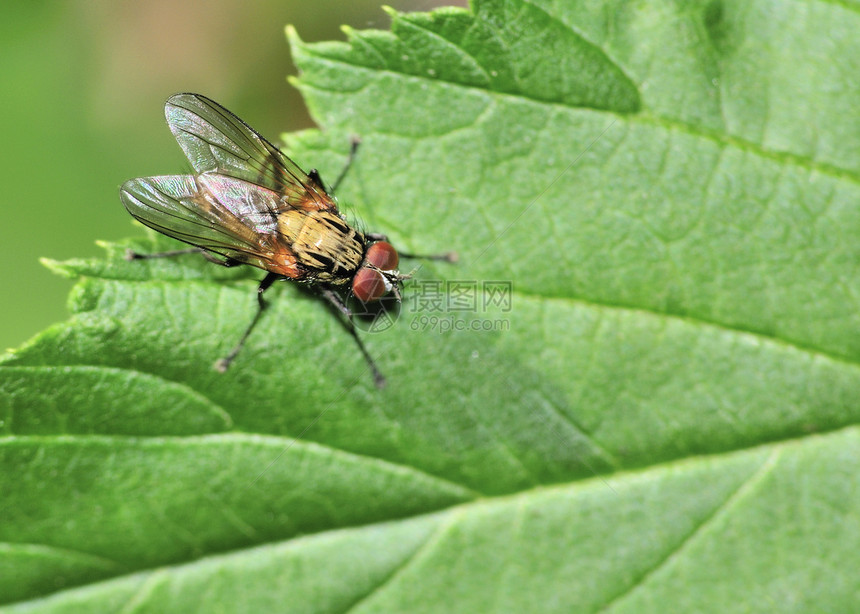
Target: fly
248	203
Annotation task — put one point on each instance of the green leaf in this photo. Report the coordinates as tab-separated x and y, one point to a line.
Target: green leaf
664	420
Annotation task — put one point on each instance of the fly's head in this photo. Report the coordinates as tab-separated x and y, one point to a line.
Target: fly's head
377	277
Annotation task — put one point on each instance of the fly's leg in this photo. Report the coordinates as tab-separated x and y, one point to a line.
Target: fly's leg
336	302
353	148
222	364
130	254
445	256
315	175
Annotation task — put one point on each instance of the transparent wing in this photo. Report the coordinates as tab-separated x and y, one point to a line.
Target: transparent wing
216	141
221	214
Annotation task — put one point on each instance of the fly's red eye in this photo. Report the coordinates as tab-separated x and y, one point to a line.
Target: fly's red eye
368	285
383	256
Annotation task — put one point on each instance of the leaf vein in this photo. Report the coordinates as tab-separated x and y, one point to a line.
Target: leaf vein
696	320
743	489
433	540
643	117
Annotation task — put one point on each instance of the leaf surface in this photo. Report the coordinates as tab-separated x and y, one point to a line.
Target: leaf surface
662	418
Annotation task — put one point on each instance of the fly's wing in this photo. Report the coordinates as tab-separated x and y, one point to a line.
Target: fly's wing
220	214
216	141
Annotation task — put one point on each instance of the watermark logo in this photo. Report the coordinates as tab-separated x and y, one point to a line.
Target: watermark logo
375	317
451	323
441	306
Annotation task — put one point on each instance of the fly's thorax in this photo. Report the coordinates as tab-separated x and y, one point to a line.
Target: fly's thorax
323	243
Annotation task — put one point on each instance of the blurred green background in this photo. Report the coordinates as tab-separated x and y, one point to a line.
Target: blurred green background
84	82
